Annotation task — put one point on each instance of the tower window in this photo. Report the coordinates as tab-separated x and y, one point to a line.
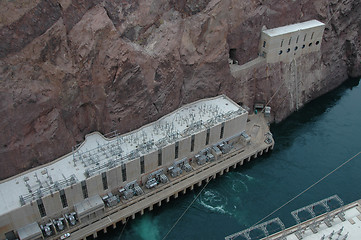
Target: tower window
84	189
312	35
297	38
264	43
159	157
105	181
41	208
141	164
192	143
289	42
282	43
64	202
304	39
124	172
222	131
207	137
176	150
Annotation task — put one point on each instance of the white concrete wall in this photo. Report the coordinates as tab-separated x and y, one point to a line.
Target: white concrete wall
184	147
168	155
6	225
200	141
52	204
118	169
242	122
94	185
151	162
235	125
74	194
114	177
133	170
18	218
215	134
230	128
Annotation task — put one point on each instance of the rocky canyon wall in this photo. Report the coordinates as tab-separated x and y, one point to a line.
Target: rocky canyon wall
70	67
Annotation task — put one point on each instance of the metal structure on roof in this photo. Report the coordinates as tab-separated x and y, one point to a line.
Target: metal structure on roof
44	187
99	153
122	148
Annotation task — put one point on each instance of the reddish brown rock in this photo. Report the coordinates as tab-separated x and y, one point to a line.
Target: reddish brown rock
71	67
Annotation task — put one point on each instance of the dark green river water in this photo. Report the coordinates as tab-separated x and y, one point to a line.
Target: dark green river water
309	144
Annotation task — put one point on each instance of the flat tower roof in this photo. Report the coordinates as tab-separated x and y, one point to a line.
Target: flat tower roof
98	153
292	28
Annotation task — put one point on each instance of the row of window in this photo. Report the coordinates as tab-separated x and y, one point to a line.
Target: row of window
304	39
124	173
160	157
176	151
296	48
63	199
290	40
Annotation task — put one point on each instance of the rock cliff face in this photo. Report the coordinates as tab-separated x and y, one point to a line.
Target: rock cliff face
70	67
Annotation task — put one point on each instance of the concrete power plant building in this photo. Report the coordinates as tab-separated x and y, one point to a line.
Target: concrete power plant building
103	173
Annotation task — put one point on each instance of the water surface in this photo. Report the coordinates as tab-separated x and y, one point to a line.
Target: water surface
309	144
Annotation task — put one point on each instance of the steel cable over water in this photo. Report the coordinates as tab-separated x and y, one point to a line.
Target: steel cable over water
170	230
314	184
121	233
308	188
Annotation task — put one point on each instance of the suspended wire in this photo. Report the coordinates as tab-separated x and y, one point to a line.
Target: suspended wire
170	230
320	180
308	188
121	233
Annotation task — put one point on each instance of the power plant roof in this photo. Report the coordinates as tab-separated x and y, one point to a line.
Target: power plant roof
98	153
